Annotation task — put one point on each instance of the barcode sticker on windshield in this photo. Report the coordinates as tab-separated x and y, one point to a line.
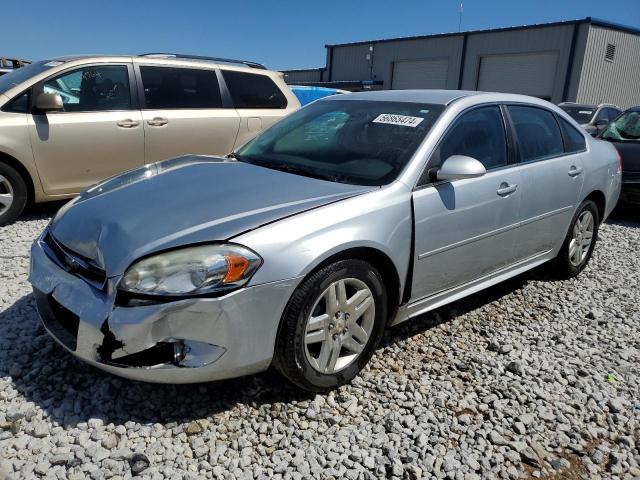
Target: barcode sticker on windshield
402	120
586	112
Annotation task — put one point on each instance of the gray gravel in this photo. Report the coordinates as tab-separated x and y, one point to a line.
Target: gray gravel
534	378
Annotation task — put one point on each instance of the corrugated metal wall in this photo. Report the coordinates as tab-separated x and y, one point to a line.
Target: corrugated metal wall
612	82
350	62
308	75
556	39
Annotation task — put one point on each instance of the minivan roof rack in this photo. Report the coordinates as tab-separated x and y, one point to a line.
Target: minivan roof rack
209	59
6	62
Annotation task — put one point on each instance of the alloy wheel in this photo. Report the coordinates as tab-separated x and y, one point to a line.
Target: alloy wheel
6	194
582	238
339	326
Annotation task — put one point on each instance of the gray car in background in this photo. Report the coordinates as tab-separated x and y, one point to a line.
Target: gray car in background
593	118
354	213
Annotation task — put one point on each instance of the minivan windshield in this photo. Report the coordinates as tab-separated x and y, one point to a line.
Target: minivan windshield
626	128
19	75
581	114
348	141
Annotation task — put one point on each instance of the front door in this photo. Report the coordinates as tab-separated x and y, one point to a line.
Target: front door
98	134
465	229
183	113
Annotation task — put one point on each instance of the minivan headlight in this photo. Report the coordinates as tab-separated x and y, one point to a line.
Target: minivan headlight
191	271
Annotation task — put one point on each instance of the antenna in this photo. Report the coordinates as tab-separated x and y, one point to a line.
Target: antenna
460	17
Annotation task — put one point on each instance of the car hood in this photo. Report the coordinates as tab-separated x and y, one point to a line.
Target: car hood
183	201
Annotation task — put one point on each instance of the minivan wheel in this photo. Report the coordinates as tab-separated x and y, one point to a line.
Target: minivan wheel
580	241
13	194
331	326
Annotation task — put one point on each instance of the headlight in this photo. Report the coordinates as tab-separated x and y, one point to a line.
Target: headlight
192	271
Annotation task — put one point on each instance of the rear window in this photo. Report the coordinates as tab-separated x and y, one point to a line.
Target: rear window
174	88
581	114
537	131
250	90
573	140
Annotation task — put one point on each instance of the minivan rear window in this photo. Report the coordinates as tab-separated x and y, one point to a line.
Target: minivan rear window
250	90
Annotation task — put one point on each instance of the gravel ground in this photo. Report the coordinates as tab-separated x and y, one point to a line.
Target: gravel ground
534	378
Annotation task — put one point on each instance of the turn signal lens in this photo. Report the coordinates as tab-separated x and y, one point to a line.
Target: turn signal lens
236	266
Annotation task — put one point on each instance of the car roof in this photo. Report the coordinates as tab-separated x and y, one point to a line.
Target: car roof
437	97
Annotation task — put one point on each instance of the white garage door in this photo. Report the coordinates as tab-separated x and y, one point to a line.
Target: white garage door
528	74
419	74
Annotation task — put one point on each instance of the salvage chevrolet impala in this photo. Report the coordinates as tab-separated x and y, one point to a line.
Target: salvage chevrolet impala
296	250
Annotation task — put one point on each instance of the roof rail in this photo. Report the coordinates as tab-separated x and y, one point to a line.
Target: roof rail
209	59
6	62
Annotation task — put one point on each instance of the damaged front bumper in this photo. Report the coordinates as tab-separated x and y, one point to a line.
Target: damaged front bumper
184	341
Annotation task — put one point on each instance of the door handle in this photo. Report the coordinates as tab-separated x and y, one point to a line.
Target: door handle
506	189
127	123
157	121
575	171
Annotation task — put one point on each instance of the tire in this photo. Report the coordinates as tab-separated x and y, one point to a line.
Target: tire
13	194
570	262
303	351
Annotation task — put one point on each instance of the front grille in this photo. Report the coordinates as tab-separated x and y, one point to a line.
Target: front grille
62	323
74	263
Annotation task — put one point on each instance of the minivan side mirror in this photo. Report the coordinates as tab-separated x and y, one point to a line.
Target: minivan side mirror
458	167
602	123
49	102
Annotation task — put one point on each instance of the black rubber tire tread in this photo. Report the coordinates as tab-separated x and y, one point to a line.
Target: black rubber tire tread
563	267
289	357
20	194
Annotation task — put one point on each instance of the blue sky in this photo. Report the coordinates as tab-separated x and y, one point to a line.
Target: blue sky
282	34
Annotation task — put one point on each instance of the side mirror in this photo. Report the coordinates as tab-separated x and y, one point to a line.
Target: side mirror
458	167
602	123
49	102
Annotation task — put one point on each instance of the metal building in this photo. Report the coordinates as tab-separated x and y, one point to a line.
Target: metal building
588	60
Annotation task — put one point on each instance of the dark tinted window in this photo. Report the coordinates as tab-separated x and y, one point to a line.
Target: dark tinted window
613	113
347	141
91	89
171	88
537	131
478	134
19	104
581	114
573	140
253	90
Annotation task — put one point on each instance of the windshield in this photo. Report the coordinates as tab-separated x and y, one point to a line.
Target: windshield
19	75
626	128
581	114
349	141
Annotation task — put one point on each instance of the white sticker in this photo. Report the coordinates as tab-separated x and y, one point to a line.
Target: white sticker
53	64
402	120
586	112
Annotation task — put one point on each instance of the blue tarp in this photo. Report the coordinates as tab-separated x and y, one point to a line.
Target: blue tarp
308	94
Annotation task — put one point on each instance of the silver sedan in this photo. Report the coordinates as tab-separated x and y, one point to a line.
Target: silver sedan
297	250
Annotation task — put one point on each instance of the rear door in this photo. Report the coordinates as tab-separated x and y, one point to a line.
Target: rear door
258	100
184	112
551	160
466	229
98	134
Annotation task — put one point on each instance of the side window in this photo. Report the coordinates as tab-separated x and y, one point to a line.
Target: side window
249	90
92	89
479	134
573	140
175	88
19	104
613	113
603	114
537	132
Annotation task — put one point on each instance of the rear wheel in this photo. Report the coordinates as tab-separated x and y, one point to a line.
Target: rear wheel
13	194
580	241
332	325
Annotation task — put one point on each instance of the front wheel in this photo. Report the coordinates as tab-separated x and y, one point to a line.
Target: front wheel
13	194
332	326
580	241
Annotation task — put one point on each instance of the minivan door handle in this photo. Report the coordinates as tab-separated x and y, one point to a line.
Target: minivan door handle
157	121
506	189
575	171
127	123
